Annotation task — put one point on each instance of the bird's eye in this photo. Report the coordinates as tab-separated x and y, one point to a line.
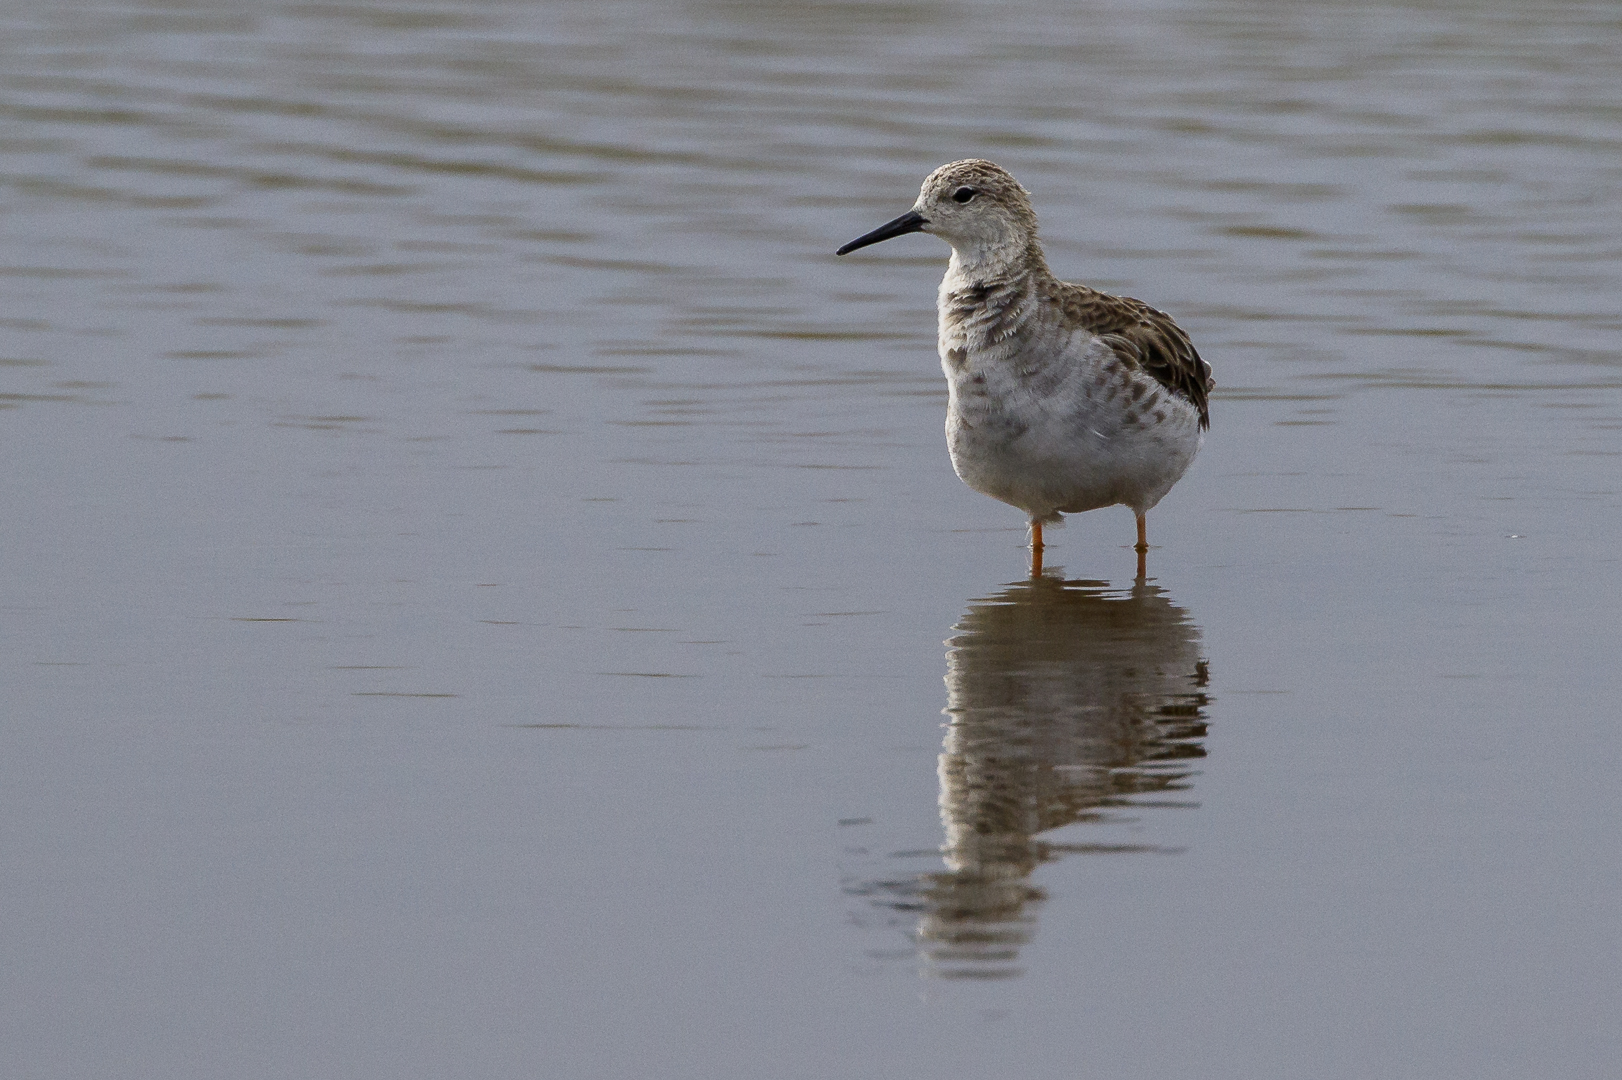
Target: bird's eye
964	194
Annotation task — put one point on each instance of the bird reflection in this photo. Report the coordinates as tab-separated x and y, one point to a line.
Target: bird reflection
1067	701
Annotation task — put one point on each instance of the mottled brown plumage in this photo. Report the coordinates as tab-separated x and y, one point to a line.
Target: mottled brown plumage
1141	335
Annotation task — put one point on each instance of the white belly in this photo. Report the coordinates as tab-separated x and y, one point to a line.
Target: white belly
1083	432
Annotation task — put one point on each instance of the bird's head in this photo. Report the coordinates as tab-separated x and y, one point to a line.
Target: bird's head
974	205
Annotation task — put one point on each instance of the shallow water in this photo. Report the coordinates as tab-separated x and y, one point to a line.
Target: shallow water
475	566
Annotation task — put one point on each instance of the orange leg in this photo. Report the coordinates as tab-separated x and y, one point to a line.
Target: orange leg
1143	546
1036	549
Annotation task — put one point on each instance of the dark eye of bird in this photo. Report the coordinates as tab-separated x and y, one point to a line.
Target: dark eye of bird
964	194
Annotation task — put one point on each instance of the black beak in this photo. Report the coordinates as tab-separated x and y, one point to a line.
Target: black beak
911	221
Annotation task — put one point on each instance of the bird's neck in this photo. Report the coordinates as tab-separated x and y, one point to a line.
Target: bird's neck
986	295
997	263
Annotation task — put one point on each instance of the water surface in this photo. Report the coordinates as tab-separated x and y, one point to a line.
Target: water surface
477	573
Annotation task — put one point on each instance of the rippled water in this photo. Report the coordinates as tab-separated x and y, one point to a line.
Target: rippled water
475	566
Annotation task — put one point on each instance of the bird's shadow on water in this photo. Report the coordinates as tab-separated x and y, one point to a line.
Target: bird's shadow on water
1067	702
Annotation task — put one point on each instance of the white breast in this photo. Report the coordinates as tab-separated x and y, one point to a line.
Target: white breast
1050	420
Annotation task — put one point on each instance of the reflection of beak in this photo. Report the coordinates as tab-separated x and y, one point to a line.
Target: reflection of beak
911	221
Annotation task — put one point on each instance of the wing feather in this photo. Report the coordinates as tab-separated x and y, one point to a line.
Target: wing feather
1145	337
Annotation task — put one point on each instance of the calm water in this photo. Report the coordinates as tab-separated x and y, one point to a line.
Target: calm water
477	574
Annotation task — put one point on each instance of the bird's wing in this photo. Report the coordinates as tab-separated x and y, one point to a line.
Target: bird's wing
1145	337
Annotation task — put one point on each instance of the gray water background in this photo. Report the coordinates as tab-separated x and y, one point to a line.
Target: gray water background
474	567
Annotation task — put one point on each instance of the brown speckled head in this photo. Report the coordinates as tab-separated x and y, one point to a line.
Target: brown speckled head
977	204
974	205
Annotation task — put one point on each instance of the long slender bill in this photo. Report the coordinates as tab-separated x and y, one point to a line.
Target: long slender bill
911	221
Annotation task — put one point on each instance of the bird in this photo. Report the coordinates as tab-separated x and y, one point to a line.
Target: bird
1061	398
